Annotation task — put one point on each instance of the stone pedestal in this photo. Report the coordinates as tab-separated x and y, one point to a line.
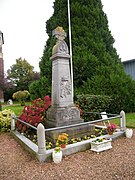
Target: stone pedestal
63	116
63	111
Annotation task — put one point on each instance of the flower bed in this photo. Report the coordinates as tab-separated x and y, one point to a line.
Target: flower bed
50	145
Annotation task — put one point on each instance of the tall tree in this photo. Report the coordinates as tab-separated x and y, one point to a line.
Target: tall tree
93	50
21	74
96	65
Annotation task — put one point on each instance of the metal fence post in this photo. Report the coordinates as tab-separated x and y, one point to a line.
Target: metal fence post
41	139
122	121
12	122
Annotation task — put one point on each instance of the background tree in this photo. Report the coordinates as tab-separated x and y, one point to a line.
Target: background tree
40	88
9	89
22	74
97	67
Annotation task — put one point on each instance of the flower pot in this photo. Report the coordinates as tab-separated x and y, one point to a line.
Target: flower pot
129	133
57	157
101	146
110	132
63	145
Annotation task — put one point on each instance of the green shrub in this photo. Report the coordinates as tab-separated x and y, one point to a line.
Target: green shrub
39	88
93	103
5	120
21	96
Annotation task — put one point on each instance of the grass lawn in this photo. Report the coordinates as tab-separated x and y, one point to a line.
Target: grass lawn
130	117
130	120
17	108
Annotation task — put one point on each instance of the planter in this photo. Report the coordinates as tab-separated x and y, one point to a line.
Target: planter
57	157
101	146
129	133
63	145
110	132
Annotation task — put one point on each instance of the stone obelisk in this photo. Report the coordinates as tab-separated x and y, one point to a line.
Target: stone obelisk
1	68
63	111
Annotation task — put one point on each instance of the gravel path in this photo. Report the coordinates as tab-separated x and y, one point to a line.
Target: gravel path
116	163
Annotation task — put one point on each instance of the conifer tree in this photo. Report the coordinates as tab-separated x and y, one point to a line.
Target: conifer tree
96	65
93	50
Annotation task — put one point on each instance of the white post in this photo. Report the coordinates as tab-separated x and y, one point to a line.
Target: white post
70	44
41	139
122	121
12	122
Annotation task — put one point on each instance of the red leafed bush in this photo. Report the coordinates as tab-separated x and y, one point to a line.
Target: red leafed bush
34	114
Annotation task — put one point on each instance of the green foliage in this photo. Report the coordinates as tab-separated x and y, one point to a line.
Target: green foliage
93	103
39	88
34	90
94	42
5	120
118	86
21	96
8	93
21	74
97	67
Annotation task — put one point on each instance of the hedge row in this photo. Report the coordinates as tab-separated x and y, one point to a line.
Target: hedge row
94	103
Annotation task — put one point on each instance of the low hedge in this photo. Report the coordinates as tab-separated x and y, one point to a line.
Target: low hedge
93	103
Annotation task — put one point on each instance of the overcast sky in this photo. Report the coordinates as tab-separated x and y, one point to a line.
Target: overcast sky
23	25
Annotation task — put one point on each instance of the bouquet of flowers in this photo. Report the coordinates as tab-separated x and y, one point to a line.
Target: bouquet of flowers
62	139
111	128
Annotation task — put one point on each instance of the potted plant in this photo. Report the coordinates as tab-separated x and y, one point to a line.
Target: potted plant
111	128
62	140
101	144
57	155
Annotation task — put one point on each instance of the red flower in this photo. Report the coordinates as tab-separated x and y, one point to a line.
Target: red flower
47	98
34	114
111	127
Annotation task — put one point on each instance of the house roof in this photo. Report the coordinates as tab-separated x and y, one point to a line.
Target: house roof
128	61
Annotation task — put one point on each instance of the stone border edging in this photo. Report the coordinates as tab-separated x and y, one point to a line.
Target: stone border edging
70	148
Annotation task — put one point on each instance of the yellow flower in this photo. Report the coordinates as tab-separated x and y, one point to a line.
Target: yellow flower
63	138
